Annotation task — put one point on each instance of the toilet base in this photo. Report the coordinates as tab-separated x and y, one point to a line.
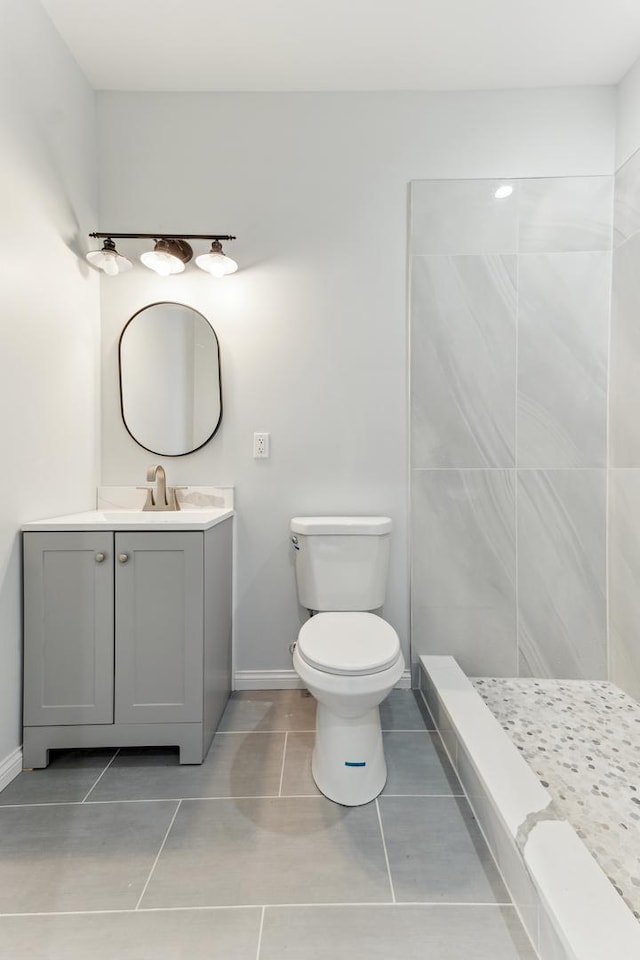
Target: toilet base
348	762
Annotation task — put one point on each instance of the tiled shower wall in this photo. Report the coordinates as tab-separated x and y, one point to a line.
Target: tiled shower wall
510	307
624	433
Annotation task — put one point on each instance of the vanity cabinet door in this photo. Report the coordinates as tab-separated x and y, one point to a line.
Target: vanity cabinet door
68	628
159	627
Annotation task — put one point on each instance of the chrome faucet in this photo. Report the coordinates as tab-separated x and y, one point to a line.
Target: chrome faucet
163	497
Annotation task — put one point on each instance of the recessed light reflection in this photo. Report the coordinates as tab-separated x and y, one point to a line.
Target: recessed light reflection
503	192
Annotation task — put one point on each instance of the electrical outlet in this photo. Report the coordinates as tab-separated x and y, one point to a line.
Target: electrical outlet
260	446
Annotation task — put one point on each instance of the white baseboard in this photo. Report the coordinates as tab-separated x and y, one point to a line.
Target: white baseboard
287	680
267	680
10	767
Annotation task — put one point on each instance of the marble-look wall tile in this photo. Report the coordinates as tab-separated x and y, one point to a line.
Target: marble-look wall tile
462	217
463	580
561	573
563	333
463	353
626	204
624	579
565	213
624	390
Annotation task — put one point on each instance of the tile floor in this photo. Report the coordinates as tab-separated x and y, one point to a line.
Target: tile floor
125	855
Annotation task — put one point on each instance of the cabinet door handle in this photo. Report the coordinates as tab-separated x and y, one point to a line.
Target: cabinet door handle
123	557
100	557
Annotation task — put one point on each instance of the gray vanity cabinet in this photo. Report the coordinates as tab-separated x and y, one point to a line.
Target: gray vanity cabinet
127	639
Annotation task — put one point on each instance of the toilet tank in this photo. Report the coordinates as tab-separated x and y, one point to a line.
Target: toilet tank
341	562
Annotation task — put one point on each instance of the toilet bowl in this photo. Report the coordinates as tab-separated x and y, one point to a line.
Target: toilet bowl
349	662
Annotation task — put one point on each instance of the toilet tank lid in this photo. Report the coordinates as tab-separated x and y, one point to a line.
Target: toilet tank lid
341	526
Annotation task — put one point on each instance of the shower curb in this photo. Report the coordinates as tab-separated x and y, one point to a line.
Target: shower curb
566	903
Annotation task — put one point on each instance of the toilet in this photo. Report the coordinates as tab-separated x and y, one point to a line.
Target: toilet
348	657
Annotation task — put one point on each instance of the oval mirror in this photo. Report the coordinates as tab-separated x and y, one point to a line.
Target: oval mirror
170	389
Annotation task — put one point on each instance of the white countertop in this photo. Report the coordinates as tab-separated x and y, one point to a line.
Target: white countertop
121	519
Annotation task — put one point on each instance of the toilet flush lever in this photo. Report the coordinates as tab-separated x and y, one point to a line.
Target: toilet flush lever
294	541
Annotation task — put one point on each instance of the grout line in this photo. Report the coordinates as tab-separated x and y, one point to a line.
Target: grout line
541	469
235	733
260	934
226	733
386	855
252	906
144	889
284	755
102	774
418	730
268	796
423	796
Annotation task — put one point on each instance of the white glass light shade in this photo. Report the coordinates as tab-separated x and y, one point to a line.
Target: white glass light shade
162	262
503	192
215	262
109	260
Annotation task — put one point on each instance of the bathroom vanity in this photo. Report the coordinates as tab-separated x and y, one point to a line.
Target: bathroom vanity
127	630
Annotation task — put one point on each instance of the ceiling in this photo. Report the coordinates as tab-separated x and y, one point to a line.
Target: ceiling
323	45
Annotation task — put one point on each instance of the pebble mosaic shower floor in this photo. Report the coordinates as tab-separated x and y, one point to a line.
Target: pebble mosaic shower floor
582	739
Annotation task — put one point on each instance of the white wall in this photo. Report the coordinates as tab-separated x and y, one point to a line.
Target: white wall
313	327
628	115
49	362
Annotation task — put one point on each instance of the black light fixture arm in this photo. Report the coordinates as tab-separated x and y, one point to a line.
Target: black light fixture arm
161	235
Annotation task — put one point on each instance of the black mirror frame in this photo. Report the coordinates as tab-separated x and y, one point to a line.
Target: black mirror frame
173	303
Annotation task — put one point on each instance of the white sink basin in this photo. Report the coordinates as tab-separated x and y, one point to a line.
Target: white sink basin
186	519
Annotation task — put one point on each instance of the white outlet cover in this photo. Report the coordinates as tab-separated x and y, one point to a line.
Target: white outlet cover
260	446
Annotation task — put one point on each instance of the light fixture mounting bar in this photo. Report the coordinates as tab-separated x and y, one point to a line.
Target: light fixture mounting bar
161	235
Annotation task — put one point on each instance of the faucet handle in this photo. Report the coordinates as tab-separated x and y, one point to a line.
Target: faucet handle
172	499
149	503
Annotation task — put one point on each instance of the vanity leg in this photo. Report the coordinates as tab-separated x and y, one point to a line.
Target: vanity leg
35	752
190	745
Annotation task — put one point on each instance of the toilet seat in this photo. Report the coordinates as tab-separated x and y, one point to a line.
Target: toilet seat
348	644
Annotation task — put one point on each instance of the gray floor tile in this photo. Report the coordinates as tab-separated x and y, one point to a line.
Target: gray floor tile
437	853
68	778
417	764
269	710
393	932
404	710
297	780
286	850
237	765
78	856
193	934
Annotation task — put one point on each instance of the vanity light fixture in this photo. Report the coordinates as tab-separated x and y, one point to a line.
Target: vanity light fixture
215	262
170	253
503	192
108	259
